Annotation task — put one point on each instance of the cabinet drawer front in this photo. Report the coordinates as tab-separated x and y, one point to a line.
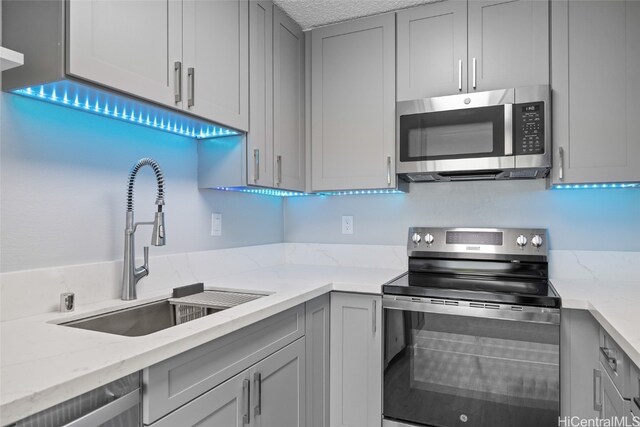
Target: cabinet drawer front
613	405
635	390
615	362
174	382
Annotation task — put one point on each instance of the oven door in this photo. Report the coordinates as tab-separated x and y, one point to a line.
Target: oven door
456	133
451	365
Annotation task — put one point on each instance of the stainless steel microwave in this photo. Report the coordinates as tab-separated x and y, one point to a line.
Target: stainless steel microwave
500	134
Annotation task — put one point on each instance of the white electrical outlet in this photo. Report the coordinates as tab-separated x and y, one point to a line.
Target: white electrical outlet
347	224
216	224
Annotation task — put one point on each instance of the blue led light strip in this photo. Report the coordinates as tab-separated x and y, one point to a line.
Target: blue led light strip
86	98
284	193
596	186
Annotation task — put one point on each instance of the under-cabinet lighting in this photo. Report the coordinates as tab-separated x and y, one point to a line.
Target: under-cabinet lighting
597	186
81	97
284	193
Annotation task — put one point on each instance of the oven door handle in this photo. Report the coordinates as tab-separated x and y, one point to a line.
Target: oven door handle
541	315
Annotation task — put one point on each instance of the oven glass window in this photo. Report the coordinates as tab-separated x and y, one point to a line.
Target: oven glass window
475	132
449	370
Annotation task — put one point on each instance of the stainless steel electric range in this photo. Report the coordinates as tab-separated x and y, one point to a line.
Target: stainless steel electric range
472	331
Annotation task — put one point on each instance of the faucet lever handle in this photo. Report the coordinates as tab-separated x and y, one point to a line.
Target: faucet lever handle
146	258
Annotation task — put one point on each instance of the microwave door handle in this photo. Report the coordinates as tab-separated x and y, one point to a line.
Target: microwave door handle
508	129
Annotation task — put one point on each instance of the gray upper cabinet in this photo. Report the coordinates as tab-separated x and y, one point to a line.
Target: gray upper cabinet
432	50
288	103
278	388
260	136
596	91
353	105
116	44
216	55
457	46
275	142
356	360
508	44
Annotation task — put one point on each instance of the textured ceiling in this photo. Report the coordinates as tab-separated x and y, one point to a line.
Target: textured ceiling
315	13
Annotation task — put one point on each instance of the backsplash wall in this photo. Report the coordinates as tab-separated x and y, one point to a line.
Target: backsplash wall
63	186
599	220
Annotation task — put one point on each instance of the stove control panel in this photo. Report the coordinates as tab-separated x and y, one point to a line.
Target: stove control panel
481	243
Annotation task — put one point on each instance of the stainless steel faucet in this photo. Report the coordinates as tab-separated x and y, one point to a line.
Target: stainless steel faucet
131	273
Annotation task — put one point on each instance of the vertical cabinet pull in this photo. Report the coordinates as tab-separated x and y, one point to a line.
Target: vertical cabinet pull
597	390
245	401
561	168
474	73
388	170
279	176
256	165
373	325
177	81
460	75
191	76
257	380
611	358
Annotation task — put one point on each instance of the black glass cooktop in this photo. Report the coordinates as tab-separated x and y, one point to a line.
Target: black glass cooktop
537	292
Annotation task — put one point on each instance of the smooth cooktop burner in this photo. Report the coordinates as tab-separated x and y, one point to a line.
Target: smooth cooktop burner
539	293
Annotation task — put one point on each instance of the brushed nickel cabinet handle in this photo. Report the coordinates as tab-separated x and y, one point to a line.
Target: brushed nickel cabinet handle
561	168
374	317
279	163
256	165
191	76
177	81
388	170
247	405
257	380
597	387
460	75
474	73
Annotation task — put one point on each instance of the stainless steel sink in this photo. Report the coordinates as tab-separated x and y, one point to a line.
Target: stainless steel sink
133	322
153	317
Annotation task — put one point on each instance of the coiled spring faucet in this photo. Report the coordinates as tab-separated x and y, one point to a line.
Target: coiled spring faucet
131	273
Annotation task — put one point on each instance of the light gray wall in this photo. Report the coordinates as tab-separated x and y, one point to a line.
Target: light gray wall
576	219
63	184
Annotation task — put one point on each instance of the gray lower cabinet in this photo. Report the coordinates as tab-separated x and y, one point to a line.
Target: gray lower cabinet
353	105
356	360
318	325
634	382
580	370
596	91
613	404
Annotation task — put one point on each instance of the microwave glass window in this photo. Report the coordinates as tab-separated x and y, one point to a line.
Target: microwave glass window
451	140
455	134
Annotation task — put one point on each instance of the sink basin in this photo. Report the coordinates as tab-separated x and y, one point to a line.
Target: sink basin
153	317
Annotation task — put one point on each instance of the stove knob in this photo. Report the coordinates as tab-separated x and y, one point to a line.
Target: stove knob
536	241
428	238
415	238
521	241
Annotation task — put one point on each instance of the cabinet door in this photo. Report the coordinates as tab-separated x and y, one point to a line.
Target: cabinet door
596	91
508	43
260	136
216	55
353	105
317	326
225	405
288	102
432	50
131	46
278	382
613	405
356	360
580	369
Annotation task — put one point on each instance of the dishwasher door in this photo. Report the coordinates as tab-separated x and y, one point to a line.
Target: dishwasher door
116	404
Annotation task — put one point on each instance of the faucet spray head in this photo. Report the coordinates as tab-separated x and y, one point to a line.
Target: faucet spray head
157	237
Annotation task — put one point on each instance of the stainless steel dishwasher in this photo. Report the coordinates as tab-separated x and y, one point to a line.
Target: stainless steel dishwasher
116	404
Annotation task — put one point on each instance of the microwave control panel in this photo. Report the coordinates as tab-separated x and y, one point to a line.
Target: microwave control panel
529	128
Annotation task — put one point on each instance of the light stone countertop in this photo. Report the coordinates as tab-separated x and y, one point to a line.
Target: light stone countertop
43	364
